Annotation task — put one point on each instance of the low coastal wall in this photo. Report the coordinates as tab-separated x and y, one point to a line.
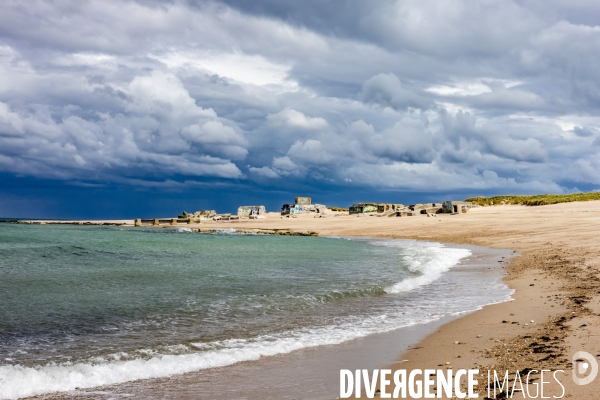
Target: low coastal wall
37	222
167	223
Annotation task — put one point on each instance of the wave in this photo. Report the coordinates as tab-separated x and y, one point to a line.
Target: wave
349	294
19	381
427	261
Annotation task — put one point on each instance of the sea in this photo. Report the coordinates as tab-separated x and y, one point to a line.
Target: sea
86	306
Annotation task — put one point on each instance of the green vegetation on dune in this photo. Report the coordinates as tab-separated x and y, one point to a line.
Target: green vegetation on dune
536	200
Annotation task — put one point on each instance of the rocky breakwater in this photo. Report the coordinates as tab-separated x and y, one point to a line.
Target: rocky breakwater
282	232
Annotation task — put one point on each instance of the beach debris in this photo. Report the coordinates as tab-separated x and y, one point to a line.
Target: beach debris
403	361
479	336
447	362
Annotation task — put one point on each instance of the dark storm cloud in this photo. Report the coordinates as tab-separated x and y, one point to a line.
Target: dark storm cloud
413	95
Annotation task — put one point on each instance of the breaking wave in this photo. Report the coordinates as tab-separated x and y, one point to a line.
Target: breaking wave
427	260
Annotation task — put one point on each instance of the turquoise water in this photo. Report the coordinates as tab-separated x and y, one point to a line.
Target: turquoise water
86	306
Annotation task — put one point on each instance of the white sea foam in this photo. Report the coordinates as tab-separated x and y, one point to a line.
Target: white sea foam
430	260
17	381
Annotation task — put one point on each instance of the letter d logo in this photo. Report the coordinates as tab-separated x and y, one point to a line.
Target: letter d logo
584	363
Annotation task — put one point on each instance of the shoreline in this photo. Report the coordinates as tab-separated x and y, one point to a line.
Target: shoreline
277	376
478	339
559	256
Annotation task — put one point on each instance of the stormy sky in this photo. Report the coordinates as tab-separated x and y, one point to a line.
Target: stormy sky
119	108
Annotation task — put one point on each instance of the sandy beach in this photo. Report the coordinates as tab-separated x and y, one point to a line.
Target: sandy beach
437	165
555	277
556	304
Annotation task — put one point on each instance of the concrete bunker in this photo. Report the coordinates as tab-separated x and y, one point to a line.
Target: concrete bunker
251	211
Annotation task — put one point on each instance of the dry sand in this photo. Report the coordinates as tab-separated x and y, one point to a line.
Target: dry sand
555	277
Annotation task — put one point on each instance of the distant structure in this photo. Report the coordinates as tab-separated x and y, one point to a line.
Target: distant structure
251	211
303	201
364	208
290	209
400	210
302	205
204	214
455	207
426	208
